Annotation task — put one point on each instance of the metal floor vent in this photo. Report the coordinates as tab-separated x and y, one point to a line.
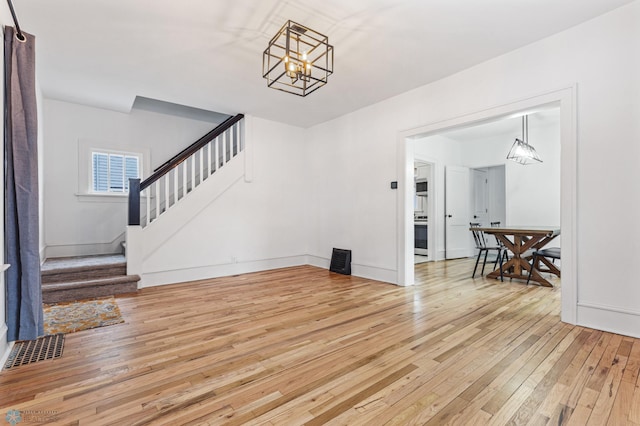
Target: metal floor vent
341	261
30	351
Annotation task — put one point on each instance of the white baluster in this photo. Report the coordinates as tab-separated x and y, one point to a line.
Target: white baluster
175	184
167	181
157	185
184	178
209	148
232	133
201	152
224	148
148	219
215	153
193	172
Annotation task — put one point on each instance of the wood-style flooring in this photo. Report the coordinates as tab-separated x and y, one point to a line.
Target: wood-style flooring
305	346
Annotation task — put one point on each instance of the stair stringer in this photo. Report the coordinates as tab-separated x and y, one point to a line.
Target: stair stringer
142	243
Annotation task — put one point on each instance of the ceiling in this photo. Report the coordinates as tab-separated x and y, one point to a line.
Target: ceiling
507	128
207	54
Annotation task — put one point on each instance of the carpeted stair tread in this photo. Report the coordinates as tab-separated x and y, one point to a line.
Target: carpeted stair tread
83	273
89	289
86	277
83	261
82	268
53	271
90	283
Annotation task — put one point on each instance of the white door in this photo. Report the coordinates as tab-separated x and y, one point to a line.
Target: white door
480	197
457	194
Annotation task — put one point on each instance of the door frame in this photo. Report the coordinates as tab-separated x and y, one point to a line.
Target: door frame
565	98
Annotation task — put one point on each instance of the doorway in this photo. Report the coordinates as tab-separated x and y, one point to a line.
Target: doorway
424	182
488	196
565	100
456	218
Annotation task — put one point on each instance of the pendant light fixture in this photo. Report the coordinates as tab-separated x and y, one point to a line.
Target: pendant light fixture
298	60
521	152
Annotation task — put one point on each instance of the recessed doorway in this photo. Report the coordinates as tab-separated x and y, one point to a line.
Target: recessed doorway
407	148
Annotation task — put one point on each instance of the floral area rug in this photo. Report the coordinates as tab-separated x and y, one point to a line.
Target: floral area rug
67	317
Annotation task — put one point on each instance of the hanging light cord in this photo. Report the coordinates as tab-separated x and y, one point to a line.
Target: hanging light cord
15	20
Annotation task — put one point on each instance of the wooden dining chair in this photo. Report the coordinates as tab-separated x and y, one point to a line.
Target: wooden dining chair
552	253
481	245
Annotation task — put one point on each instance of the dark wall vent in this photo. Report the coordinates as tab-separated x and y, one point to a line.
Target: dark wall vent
341	261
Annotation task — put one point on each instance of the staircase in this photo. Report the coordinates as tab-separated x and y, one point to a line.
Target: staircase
172	181
88	277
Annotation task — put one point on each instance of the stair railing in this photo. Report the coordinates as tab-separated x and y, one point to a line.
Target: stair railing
174	179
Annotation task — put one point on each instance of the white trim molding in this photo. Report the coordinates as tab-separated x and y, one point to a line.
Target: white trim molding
565	98
361	270
157	278
5	347
608	318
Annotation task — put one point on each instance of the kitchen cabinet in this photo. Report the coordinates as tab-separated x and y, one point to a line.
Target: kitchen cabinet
422	172
420	205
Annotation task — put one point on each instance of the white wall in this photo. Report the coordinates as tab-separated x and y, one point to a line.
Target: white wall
76	224
355	156
256	225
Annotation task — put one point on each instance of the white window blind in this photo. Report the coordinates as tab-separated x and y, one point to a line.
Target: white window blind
111	172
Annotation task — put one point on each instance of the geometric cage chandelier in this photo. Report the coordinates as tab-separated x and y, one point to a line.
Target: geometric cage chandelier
298	60
521	152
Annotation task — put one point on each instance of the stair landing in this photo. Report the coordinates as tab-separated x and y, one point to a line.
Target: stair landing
86	277
83	261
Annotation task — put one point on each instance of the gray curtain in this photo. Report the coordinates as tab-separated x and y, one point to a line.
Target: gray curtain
24	292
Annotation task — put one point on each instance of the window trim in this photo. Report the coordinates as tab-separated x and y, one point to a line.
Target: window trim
86	148
110	153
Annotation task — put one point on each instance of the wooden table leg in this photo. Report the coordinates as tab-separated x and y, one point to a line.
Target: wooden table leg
552	268
535	276
520	265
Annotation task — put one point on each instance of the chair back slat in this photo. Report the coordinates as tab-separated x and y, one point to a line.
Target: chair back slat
478	235
497	225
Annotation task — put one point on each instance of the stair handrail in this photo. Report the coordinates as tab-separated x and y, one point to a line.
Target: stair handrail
177	159
136	186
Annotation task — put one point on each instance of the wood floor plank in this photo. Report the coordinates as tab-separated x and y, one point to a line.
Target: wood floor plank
302	345
634	414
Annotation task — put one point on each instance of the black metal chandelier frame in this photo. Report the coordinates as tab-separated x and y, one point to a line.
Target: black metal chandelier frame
298	60
521	151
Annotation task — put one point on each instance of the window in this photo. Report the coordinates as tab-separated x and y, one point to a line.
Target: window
111	171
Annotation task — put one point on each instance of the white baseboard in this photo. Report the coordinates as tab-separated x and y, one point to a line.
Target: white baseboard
359	270
607	318
156	278
5	347
320	262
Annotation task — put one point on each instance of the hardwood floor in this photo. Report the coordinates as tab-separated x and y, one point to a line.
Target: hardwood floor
303	346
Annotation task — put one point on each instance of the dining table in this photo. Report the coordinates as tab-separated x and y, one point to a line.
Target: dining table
519	240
